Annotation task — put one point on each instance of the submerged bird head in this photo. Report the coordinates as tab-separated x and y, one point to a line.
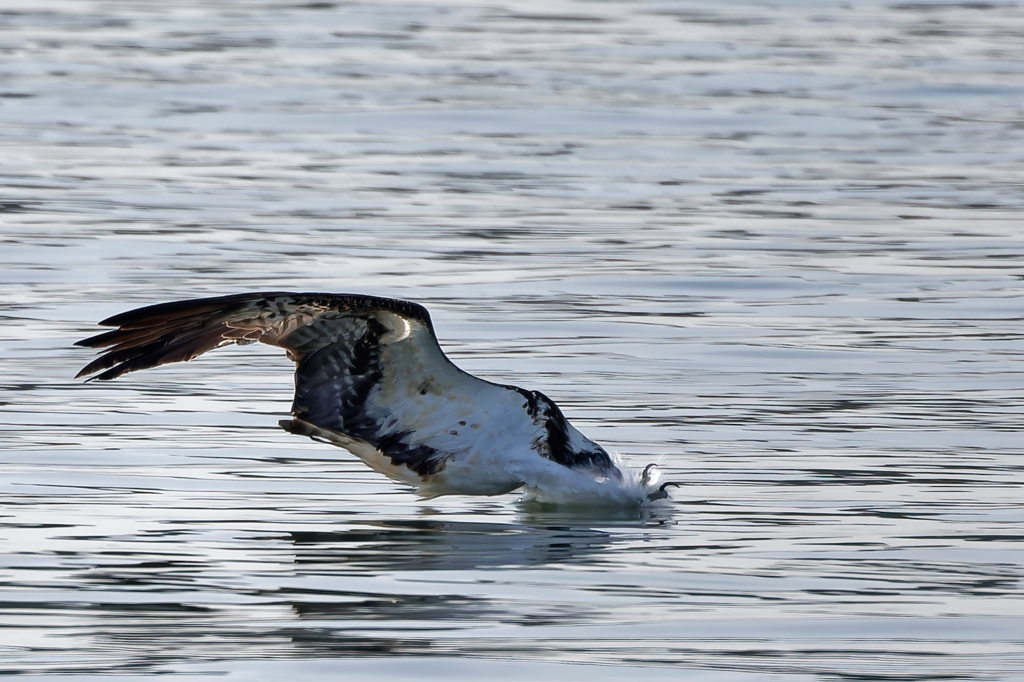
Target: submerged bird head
591	476
581	453
625	487
597	480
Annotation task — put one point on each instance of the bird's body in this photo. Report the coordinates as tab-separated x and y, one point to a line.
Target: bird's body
371	377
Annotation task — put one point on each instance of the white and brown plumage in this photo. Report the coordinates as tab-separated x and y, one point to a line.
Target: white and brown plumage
371	378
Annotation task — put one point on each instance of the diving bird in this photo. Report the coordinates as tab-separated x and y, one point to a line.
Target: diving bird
371	377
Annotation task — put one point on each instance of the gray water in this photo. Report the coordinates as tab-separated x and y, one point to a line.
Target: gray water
775	246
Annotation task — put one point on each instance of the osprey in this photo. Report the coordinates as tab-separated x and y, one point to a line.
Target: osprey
371	377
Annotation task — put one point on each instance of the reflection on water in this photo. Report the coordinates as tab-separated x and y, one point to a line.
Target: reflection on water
419	544
774	248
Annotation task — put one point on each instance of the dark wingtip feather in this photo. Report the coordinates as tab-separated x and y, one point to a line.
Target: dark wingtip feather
159	313
155	335
111	358
103	339
158	334
85	371
173	344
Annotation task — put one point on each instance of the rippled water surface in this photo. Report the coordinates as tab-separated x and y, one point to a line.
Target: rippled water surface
775	246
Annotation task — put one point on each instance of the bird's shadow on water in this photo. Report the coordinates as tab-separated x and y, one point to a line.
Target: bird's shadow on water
442	552
445	552
544	534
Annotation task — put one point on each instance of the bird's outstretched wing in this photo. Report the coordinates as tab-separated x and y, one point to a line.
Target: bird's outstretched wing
299	323
369	370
